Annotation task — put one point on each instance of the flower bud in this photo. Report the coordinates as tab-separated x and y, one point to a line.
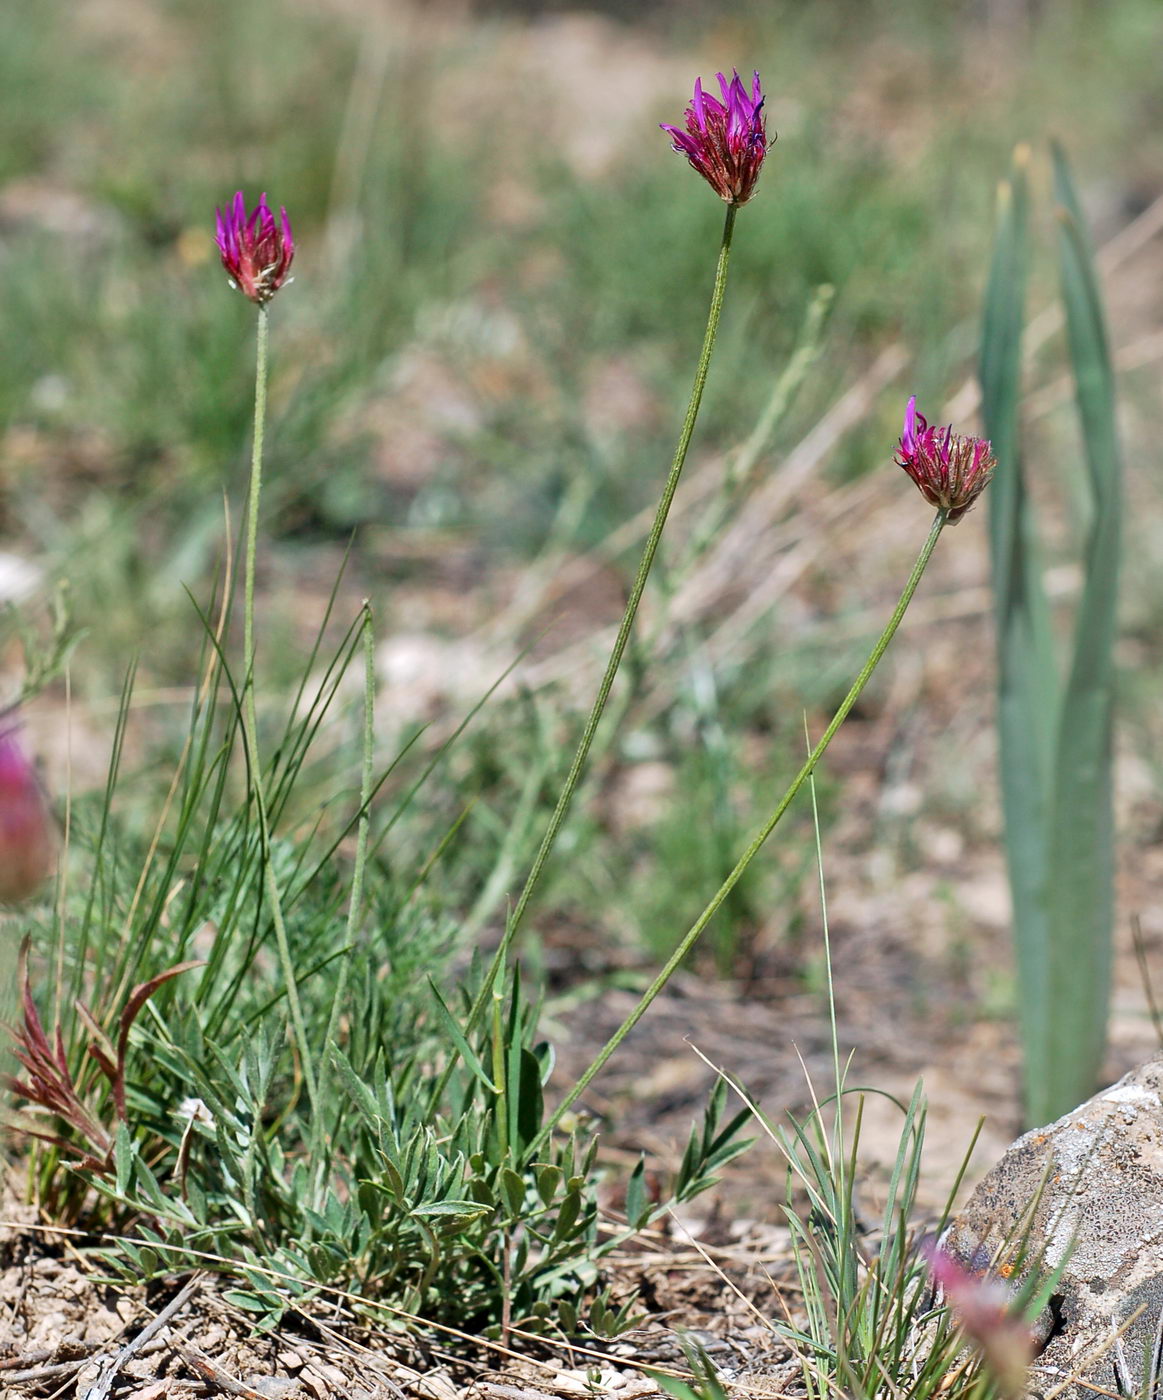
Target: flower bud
726	141
951	469
256	252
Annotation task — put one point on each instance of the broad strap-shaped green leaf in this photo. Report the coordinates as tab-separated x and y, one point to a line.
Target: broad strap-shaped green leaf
1081	850
1028	685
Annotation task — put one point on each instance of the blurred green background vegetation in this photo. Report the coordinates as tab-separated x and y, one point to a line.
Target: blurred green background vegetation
499	288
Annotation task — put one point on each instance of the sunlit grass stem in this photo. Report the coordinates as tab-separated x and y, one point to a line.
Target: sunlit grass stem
250	714
355	901
573	777
692	936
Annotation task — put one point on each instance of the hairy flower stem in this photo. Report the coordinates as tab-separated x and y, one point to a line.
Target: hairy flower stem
573	777
260	415
692	935
250	715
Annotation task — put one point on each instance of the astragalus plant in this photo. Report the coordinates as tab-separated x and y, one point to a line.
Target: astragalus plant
242	1036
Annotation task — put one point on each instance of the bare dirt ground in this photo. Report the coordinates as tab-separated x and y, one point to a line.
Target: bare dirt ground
63	1333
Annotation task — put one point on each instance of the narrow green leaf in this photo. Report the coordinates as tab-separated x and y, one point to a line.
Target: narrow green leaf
456	1035
637	1206
548	1180
481	1192
124	1159
395	1181
568	1215
460	1210
248	1302
360	1094
513	1187
903	1180
726	1144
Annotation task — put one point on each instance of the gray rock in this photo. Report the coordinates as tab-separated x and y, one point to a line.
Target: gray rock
1099	1171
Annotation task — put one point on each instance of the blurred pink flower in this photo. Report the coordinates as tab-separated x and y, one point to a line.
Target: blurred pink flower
950	469
985	1310
28	842
726	142
256	252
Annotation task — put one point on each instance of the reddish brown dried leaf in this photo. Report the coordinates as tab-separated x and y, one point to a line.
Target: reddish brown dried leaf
138	998
115	1072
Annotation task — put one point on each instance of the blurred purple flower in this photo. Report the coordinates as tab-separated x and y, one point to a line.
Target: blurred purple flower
725	141
985	1310
256	252
28	842
950	469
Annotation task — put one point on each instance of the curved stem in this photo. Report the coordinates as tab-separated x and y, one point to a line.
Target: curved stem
692	935
576	768
250	712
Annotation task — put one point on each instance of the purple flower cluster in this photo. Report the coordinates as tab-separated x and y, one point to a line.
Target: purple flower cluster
988	1313
256	252
725	141
28	842
950	469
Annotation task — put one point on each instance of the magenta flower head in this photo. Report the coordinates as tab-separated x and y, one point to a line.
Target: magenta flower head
28	843
256	252
985	1310
725	141
950	469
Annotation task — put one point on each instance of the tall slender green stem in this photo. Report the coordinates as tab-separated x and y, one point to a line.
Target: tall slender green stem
250	714
837	1077
576	768
692	935
260	417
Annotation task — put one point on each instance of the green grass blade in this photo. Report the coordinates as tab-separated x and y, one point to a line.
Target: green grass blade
1027	675
456	1035
1081	853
